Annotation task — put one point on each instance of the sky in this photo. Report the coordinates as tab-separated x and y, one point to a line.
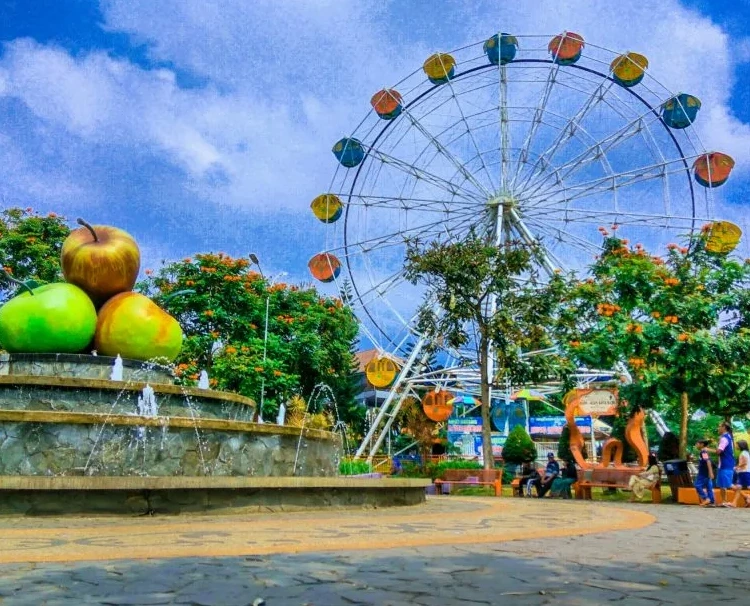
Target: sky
207	125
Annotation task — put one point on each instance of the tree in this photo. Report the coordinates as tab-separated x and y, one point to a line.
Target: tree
413	422
309	341
563	445
679	325
30	246
495	293
519	447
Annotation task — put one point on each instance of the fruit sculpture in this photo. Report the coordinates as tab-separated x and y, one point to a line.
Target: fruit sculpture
135	327
100	264
54	318
102	260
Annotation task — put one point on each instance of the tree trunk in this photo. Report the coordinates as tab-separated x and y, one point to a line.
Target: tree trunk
484	354
684	413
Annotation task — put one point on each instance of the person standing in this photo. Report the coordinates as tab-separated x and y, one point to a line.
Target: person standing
743	476
704	479
725	450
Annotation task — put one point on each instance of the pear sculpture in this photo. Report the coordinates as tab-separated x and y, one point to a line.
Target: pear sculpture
133	326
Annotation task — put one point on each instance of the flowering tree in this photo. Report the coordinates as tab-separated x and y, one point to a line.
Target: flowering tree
30	246
309	338
679	324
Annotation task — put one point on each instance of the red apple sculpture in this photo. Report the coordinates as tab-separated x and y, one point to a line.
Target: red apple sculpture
101	260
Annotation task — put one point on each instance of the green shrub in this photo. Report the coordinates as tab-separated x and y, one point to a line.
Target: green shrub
348	467
519	447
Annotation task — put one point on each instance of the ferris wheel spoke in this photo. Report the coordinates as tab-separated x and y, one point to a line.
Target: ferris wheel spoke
595	151
428	177
397	238
473	140
560	234
538	114
569	129
447	154
608	183
598	217
406	203
505	142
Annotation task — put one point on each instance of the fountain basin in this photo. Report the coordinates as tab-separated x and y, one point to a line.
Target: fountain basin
215	495
51	426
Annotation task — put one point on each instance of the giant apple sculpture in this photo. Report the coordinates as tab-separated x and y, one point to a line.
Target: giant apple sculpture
132	325
54	318
102	260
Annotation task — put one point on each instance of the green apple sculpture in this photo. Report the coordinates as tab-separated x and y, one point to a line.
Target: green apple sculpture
104	261
54	318
132	325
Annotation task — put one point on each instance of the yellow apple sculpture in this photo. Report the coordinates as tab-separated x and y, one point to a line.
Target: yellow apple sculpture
133	326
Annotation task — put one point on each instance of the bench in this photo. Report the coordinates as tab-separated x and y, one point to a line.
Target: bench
441	485
609	477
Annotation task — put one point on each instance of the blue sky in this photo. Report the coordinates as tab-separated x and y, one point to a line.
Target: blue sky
202	125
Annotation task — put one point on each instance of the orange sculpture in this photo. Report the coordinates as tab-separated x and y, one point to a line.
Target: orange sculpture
613	448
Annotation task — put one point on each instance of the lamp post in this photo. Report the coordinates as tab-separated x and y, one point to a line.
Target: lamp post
255	261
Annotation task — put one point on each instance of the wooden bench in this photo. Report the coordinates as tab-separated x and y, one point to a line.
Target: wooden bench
609	477
440	485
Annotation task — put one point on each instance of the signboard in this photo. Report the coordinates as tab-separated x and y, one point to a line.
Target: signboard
381	372
553	426
595	403
466	435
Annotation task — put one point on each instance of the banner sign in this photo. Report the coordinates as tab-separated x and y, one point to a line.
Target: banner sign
466	435
553	426
597	403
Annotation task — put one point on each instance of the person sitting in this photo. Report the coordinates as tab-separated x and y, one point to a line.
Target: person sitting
529	475
645	480
552	470
561	485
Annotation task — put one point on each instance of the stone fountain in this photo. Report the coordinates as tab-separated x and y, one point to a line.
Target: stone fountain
73	440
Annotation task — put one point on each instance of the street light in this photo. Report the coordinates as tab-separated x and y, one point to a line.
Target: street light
255	261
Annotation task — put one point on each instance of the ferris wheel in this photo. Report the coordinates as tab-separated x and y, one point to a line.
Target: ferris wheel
540	139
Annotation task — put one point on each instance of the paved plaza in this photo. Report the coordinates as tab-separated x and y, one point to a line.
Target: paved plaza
450	551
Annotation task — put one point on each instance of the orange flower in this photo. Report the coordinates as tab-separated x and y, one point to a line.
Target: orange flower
214	334
276	373
634	328
213	382
672	246
671	281
637	362
194	377
52	215
187	260
683	337
684	250
208	312
575	343
258	369
230	350
252	326
655	314
244	349
189	283
149	272
8	269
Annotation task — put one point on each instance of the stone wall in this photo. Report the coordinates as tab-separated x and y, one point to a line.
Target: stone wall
117	400
112	450
81	366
